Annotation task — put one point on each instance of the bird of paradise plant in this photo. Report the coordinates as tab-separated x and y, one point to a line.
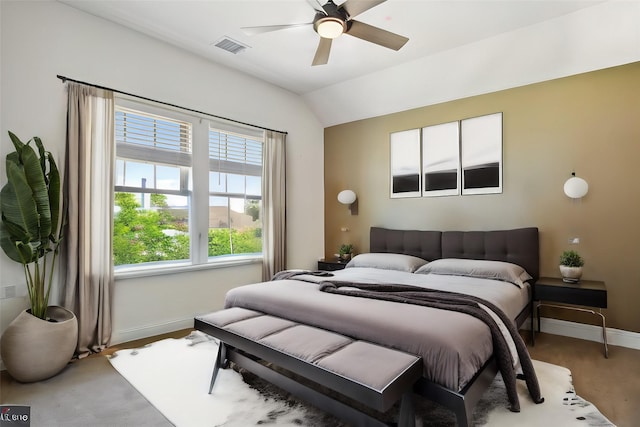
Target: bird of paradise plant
31	227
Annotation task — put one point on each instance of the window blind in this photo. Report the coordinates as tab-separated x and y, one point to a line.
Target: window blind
234	153
150	138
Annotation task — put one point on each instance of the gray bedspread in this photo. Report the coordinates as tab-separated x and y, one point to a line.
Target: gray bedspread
461	303
454	346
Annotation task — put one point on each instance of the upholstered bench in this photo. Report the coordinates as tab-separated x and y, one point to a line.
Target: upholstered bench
370	374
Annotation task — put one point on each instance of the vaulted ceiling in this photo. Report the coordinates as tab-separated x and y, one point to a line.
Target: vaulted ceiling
284	57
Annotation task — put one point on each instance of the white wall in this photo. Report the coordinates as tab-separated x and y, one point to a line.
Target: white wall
42	39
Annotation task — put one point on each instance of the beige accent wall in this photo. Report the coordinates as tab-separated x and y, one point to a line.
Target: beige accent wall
589	123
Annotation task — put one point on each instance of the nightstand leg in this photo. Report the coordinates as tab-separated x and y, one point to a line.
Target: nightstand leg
599	313
604	334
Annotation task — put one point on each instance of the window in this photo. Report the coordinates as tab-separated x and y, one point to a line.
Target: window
164	203
235	177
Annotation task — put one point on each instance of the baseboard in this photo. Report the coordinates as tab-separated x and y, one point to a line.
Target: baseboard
146	331
565	328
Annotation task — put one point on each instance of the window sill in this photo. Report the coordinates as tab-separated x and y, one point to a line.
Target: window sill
177	268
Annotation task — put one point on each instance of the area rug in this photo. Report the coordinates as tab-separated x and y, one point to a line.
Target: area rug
174	374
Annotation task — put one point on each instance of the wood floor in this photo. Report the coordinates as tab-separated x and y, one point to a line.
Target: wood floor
612	384
142	342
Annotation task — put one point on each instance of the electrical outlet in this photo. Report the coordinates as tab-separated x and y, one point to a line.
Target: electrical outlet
574	240
8	291
12	291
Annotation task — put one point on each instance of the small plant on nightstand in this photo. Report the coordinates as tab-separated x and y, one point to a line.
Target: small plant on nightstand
571	266
345	252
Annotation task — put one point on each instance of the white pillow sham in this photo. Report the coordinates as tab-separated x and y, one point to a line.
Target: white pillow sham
386	261
484	269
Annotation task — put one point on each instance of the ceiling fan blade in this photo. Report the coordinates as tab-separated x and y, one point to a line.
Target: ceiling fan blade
356	7
322	53
252	31
376	35
315	4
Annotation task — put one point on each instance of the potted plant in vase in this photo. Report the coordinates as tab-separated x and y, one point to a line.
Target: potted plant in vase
42	339
345	252
571	266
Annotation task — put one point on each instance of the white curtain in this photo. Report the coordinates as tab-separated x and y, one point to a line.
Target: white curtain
87	246
273	204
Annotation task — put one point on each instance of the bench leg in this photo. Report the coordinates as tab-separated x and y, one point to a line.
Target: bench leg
462	418
221	362
407	411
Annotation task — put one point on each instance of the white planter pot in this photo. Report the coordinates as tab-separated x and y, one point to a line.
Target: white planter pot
33	349
570	274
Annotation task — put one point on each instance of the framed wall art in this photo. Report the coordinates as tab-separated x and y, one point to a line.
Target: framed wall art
441	160
405	163
448	159
481	154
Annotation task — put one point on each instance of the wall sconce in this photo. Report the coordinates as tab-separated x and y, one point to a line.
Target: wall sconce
575	187
348	197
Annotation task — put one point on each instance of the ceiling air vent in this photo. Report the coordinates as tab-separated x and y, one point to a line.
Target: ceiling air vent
230	45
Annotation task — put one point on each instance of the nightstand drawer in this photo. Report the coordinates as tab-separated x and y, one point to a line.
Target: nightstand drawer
589	293
331	266
588	297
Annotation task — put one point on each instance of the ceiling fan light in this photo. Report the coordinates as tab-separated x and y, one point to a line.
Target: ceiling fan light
329	27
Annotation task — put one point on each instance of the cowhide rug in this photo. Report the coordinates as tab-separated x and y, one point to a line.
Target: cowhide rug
174	374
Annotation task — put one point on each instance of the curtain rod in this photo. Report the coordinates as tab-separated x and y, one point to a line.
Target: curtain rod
65	79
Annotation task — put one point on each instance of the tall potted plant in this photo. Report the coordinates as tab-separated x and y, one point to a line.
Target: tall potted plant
42	339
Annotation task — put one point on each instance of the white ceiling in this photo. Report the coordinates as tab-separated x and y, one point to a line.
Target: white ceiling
284	57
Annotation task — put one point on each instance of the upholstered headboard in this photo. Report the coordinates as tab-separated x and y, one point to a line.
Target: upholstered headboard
518	246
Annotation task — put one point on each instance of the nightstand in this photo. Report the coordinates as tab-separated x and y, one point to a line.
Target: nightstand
585	293
331	265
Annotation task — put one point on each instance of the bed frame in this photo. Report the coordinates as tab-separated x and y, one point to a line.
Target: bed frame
518	246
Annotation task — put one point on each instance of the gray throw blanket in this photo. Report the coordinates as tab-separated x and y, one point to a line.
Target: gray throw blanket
288	274
464	304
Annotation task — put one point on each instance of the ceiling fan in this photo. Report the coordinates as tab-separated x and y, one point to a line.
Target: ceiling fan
332	20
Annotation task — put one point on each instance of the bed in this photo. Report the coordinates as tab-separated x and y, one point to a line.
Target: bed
457	349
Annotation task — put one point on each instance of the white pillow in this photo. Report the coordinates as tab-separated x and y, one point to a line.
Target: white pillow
496	270
385	261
